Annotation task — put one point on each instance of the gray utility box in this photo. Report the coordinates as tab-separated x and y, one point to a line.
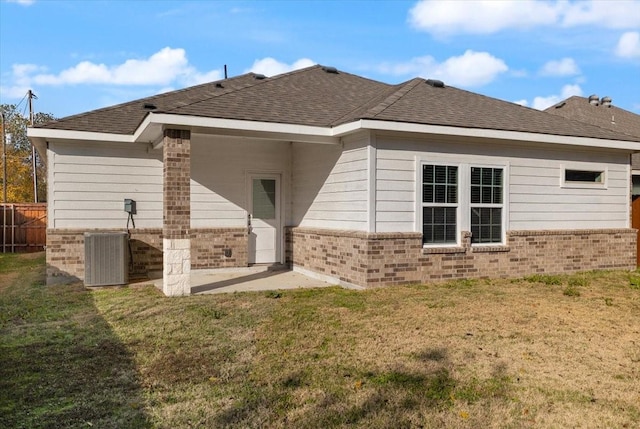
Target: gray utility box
105	258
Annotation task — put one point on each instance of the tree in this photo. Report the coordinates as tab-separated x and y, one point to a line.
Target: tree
19	173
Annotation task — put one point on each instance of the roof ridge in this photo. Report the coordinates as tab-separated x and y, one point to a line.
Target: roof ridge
221	94
405	88
234	90
395	93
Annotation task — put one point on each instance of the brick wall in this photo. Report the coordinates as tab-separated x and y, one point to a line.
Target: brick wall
397	258
65	251
208	248
176	184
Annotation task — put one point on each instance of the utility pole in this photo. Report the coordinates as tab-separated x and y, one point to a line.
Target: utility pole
31	96
4	160
4	185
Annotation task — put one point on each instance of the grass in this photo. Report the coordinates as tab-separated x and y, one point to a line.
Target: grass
489	353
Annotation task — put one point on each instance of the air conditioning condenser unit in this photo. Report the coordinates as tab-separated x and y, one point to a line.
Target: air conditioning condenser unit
105	258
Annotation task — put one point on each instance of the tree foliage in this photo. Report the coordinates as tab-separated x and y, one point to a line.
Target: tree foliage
19	171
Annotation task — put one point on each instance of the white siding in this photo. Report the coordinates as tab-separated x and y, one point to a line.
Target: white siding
89	182
536	198
330	185
219	171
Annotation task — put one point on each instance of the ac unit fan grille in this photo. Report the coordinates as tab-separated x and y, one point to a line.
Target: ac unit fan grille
105	258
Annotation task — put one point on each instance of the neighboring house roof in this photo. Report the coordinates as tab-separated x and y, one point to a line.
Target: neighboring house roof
601	115
322	96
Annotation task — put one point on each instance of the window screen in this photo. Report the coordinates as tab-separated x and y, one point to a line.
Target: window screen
439	204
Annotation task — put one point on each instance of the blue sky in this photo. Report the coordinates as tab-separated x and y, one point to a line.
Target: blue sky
82	55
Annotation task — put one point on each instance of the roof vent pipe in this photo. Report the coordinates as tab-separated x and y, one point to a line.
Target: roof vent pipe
606	101
435	83
594	100
330	69
259	76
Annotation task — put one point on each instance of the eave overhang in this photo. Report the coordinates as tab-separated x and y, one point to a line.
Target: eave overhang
151	131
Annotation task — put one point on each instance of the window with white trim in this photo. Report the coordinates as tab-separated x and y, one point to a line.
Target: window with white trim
583	176
459	198
439	204
486	204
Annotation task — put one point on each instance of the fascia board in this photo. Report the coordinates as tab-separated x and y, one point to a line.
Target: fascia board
247	128
50	134
150	130
498	134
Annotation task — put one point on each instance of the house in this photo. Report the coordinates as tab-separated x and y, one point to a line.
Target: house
341	177
602	113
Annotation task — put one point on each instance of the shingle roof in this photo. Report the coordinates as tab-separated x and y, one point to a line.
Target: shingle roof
612	118
125	118
316	96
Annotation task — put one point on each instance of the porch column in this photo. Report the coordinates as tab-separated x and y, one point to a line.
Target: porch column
176	242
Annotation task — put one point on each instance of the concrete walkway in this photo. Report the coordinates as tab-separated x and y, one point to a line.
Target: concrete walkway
250	279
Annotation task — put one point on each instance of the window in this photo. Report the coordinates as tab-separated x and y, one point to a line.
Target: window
462	197
439	204
583	176
486	205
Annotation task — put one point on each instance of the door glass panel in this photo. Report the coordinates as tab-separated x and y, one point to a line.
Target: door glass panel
264	198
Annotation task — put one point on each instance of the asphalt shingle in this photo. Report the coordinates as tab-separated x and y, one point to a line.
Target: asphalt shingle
317	96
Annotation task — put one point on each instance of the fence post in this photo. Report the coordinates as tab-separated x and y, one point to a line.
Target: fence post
13	228
4	228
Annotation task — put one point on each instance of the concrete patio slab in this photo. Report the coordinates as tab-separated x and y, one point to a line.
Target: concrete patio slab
250	279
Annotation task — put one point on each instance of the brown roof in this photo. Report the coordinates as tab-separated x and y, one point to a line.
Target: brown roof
125	118
609	117
612	118
320	96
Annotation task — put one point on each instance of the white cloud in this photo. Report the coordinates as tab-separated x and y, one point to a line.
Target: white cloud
486	17
629	45
567	91
563	67
22	2
20	80
480	17
161	68
193	77
620	14
13	91
270	66
469	69
164	68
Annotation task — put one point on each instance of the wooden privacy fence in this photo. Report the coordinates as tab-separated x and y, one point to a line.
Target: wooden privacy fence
23	227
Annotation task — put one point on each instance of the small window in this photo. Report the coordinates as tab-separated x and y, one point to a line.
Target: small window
583	176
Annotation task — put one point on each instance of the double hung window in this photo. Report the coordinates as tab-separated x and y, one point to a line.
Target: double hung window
439	204
486	205
459	198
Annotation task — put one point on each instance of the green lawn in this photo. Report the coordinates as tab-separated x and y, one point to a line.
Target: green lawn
544	351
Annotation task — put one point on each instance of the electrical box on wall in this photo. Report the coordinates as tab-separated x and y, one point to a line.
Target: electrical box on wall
130	206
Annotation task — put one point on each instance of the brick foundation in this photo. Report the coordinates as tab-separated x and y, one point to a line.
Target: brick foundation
398	258
65	251
208	248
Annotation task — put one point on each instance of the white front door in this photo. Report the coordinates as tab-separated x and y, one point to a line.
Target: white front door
264	219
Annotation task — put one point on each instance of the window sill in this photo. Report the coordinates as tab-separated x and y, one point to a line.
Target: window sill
488	249
439	250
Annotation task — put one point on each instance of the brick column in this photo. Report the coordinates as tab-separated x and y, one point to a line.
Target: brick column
176	242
